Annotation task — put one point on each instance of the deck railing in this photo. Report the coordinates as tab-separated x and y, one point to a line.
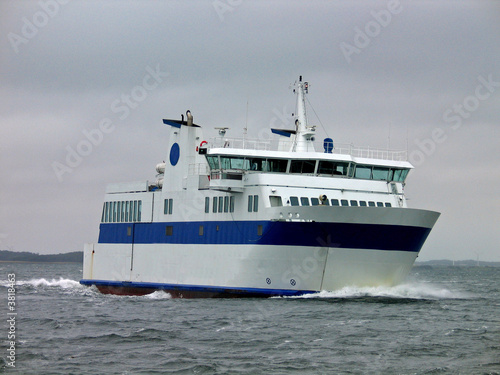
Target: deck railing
284	145
199	169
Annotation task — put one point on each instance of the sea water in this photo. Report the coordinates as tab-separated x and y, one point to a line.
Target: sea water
442	320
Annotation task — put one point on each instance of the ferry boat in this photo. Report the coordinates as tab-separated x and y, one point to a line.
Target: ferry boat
243	218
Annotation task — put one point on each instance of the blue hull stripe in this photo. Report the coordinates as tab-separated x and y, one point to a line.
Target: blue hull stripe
311	234
198	290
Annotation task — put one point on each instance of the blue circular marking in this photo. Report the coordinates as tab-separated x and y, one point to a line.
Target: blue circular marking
293	282
175	152
268	280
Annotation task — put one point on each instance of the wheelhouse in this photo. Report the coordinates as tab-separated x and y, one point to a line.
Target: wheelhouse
239	164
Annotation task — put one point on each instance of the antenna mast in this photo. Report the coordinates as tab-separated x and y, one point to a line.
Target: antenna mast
304	135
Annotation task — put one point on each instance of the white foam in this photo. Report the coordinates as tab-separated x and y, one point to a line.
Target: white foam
61	283
410	290
159	294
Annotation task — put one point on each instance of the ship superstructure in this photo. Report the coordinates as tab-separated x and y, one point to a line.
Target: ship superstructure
238	217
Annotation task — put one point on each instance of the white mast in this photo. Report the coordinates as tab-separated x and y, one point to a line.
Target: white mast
304	136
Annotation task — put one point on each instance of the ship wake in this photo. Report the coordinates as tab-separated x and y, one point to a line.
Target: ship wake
407	291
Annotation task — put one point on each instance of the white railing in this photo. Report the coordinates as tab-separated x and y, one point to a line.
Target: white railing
240	143
280	144
198	169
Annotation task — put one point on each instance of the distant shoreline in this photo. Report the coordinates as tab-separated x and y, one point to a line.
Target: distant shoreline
457	263
7	256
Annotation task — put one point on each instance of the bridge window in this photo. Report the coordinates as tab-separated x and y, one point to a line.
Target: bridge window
344	202
331	168
363	171
354	203
370	172
371	204
213	162
277	165
399	175
362	203
256	164
234	162
314	202
380	173
335	202
302	166
304	201
294	201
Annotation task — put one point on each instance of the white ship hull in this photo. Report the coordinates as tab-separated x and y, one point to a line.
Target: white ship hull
251	271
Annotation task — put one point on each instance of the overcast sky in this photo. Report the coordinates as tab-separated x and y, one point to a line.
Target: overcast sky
380	72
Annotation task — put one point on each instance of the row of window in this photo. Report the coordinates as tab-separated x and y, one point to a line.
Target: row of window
121	211
319	167
169	230
130	211
304	201
220	204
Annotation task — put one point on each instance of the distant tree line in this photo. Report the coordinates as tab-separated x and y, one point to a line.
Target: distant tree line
24	256
466	263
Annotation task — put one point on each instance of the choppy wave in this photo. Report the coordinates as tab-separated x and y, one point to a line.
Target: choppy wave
414	290
42	282
69	284
60	283
417	291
